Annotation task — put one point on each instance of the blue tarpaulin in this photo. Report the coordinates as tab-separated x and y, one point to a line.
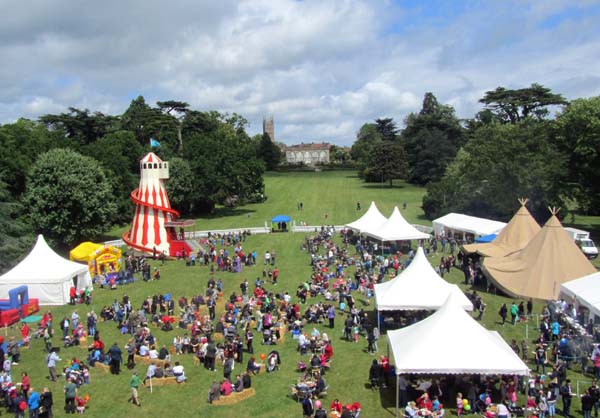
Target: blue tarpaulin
486	238
281	218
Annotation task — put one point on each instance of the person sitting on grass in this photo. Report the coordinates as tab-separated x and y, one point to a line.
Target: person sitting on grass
214	393
253	366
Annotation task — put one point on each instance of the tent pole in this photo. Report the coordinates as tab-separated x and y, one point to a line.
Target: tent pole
397	395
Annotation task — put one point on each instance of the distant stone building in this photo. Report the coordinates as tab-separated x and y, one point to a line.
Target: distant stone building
308	153
269	127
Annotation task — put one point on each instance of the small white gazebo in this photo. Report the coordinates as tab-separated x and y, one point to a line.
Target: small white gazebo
370	220
395	228
48	276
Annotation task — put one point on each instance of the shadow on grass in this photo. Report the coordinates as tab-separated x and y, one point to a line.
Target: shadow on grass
223	212
422	217
387	399
382	186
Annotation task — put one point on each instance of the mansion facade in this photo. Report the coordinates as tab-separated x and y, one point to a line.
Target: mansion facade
308	154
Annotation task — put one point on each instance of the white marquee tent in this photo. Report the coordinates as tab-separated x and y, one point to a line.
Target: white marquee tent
370	220
47	275
457	222
434	346
417	287
586	290
395	228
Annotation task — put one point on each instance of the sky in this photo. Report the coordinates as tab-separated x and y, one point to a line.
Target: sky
321	68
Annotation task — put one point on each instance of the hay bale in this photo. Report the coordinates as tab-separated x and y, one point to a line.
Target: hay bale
163	381
101	366
235	397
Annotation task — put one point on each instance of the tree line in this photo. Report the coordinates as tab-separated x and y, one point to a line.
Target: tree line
528	142
69	175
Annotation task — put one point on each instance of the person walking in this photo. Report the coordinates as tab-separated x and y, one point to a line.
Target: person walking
134	384
331	316
587	403
33	402
70	394
594	392
115	359
51	362
503	312
308	408
567	395
514	313
46	403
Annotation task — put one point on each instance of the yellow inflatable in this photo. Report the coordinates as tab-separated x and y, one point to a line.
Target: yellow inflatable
101	259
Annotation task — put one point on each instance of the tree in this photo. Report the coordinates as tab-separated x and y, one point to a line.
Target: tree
578	136
223	162
81	125
367	139
180	186
21	143
180	108
431	137
387	129
148	122
119	154
269	152
68	197
515	105
16	235
387	163
500	164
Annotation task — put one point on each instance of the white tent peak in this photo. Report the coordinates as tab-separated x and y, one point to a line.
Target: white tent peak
417	287
396	228
371	219
433	345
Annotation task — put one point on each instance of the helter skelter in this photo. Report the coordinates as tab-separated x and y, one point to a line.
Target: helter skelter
155	227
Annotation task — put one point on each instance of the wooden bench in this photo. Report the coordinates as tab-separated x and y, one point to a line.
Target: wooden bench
148	360
235	397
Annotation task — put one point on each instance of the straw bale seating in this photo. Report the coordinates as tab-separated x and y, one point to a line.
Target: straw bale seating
235	397
148	360
163	381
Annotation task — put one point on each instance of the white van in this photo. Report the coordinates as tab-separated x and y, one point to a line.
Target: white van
582	239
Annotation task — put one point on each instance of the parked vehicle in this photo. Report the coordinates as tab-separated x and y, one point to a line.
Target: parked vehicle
582	239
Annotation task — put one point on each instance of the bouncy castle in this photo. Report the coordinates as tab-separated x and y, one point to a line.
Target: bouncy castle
155	228
100	258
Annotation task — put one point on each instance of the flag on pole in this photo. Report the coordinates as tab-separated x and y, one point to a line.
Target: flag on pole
154	143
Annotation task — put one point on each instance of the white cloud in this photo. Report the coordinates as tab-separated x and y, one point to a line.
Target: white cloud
322	69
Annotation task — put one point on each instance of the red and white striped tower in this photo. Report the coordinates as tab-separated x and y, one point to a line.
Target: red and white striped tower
152	209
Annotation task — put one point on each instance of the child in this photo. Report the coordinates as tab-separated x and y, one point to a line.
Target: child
459	404
86	375
80	402
356	333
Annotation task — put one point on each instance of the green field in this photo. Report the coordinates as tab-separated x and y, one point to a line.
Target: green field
331	193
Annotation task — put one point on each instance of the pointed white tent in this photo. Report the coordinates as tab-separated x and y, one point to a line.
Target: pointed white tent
47	275
370	220
395	228
417	287
433	345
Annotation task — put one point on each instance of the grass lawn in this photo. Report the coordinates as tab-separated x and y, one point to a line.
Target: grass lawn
334	193
331	193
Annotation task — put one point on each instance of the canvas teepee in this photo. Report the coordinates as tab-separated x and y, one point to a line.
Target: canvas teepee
514	237
537	271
